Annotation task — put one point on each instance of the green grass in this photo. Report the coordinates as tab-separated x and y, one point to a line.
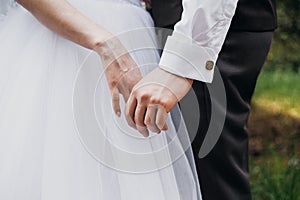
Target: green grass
274	175
275	178
279	91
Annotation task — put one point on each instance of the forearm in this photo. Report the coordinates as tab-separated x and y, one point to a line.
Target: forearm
65	20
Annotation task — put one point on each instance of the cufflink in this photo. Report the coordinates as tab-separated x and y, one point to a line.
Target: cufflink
209	65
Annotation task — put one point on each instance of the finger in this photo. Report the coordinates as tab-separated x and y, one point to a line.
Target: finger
126	84
116	101
150	118
130	110
124	91
165	128
143	130
161	117
139	115
126	95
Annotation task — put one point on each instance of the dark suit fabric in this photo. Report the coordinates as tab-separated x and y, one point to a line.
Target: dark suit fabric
223	173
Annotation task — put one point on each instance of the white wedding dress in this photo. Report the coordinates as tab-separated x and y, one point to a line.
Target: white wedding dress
59	139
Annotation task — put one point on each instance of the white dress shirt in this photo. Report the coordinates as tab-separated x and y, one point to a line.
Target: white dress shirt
193	48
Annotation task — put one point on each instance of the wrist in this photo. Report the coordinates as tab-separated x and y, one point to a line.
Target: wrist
172	75
110	47
100	42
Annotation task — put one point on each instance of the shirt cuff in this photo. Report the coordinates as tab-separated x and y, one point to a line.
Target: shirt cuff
185	58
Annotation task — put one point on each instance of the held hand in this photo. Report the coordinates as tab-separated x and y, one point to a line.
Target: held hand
152	98
121	72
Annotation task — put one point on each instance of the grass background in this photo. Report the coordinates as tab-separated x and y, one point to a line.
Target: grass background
274	121
275	137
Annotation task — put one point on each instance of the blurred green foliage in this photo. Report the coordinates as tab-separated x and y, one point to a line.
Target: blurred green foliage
285	51
279	91
276	177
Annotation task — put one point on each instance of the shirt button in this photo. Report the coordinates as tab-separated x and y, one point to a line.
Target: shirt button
209	65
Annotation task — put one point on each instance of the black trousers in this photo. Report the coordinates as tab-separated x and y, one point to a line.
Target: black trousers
224	173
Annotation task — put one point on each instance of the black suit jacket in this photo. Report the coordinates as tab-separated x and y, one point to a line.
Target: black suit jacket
166	12
250	15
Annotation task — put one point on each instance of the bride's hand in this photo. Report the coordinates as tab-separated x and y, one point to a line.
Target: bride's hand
122	73
61	17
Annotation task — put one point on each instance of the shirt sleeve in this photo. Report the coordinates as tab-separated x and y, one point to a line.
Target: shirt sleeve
193	48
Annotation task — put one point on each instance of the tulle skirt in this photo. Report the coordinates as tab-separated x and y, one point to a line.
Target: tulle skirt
59	138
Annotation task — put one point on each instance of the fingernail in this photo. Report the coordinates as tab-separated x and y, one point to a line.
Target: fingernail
133	126
118	114
145	135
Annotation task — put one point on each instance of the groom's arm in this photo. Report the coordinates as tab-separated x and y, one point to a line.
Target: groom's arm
193	49
189	54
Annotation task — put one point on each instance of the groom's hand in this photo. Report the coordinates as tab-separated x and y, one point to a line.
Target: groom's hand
152	98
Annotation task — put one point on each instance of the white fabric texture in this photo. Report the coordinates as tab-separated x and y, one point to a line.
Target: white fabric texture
200	32
5	6
48	142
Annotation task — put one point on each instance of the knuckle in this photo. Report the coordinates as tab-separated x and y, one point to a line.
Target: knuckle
159	101
114	82
164	103
154	101
143	97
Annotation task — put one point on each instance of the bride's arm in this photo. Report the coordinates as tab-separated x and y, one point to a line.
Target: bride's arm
61	17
